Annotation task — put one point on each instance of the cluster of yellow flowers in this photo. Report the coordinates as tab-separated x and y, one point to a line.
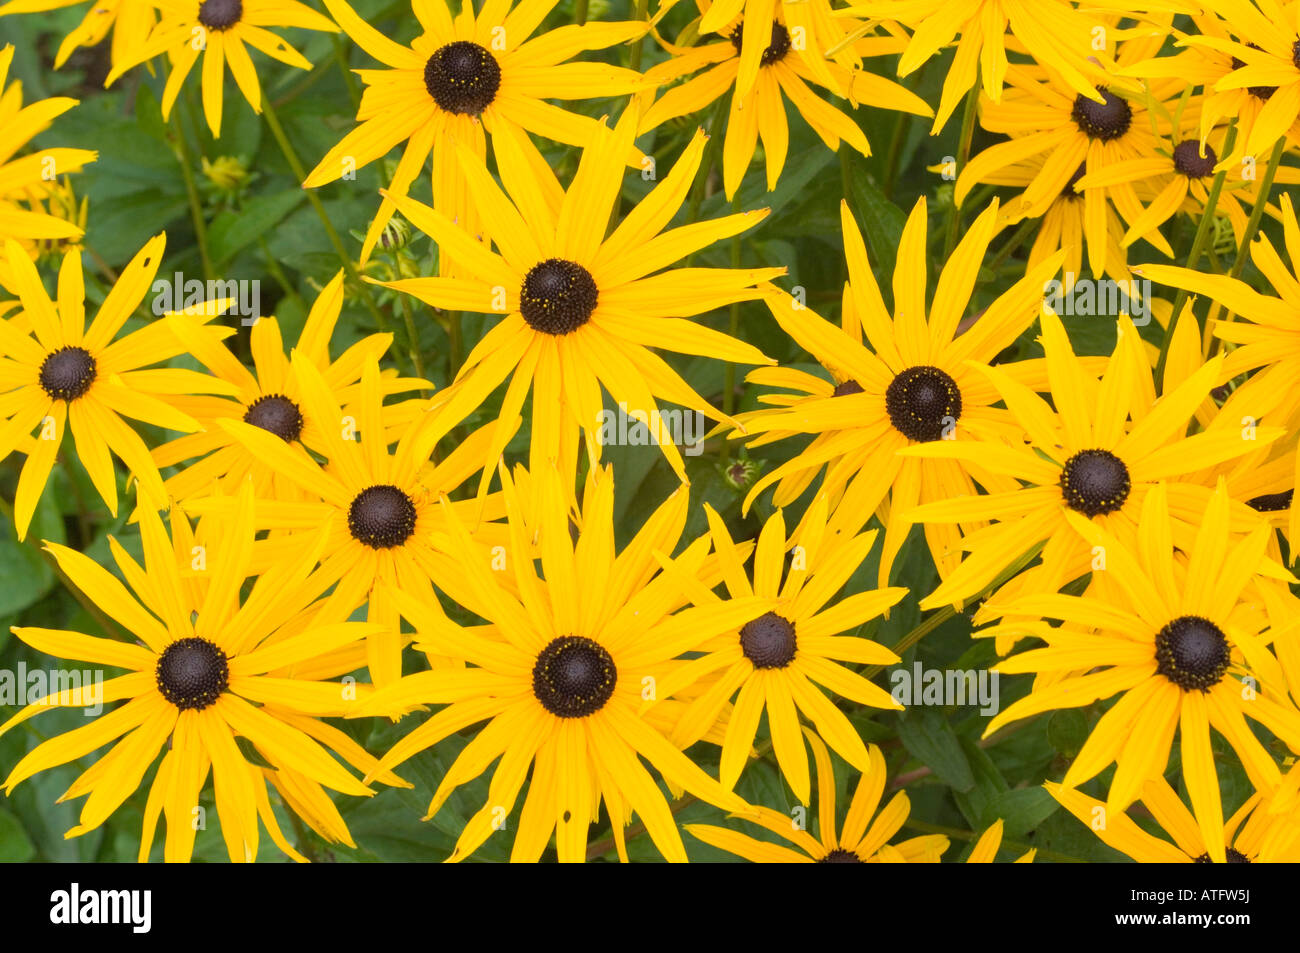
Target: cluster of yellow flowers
1122	523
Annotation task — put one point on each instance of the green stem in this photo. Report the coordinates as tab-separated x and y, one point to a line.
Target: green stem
1248	236
349	80
413	339
278	274
295	164
641	12
1194	256
186	160
733	327
580	12
963	154
1027	228
717	129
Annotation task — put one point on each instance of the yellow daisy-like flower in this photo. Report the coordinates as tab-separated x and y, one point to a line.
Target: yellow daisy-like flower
1082	459
58	373
1263	41
1051	31
578	308
1167	634
460	78
26	181
128	19
776	659
560	672
379	507
210	666
860	841
759	112
1044	116
1252	835
917	387
268	396
218	30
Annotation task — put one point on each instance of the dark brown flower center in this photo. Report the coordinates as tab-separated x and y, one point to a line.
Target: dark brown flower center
1189	161
1104	120
67	373
923	403
220	15
1262	93
769	641
381	517
574	677
1068	192
777	47
558	296
276	413
462	77
1230	855
1272	502
847	387
841	856
1192	652
1094	482
191	673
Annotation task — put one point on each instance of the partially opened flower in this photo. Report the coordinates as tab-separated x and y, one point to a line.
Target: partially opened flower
1171	636
560	672
379	507
916	385
1252	835
465	78
217	31
210	666
757	108
779	661
860	840
64	374
579	309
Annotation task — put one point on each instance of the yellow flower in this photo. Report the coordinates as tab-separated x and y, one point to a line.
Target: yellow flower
856	842
58	372
209	666
218	30
128	19
460	78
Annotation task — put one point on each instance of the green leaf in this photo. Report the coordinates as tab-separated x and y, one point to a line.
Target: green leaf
15	846
231	233
881	221
26	575
1067	730
929	738
1021	810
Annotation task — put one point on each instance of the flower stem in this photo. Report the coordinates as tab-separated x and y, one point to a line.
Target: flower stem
733	327
186	160
1194	256
1248	236
963	154
295	164
580	12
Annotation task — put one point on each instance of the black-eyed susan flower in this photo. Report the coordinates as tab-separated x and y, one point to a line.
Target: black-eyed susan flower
209	666
1252	835
780	660
25	181
913	386
219	32
1064	130
1051	31
579	309
1167	634
465	78
560	673
861	840
758	111
128	19
379	506
1082	458
58	373
268	396
1263	41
